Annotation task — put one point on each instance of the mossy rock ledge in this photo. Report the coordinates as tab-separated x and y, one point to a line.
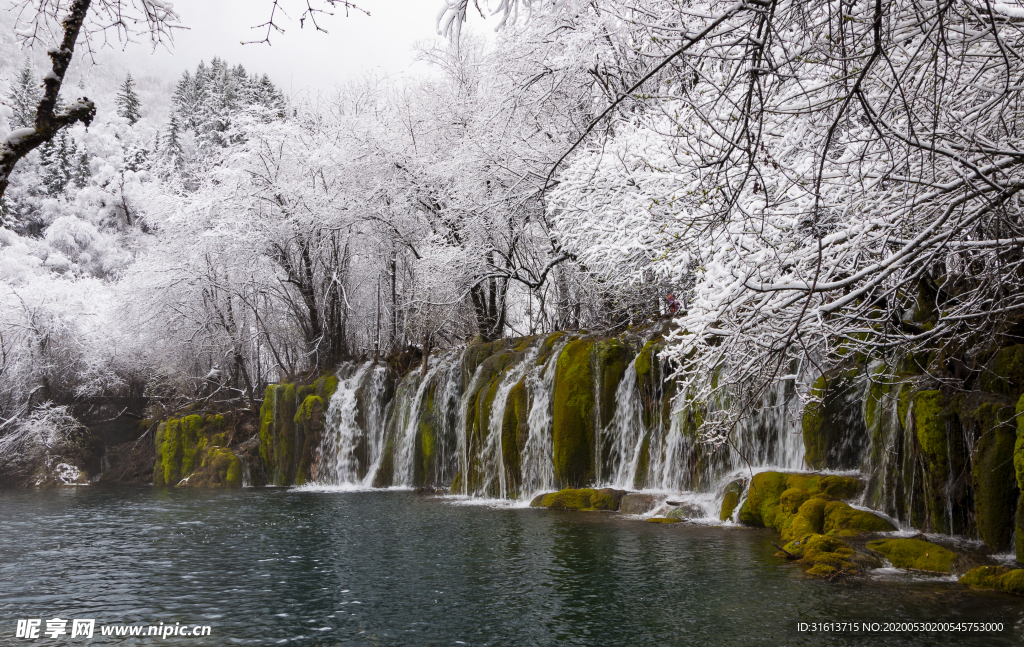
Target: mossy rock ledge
587	499
192	449
995	578
915	554
797	505
827	557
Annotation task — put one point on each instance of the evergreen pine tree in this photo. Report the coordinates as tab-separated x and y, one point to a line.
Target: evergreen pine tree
172	143
24	98
81	172
136	159
55	164
128	101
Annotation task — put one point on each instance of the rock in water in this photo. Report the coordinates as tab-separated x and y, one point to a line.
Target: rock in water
582	499
636	503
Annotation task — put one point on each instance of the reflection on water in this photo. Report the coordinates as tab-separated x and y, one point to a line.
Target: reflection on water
392	568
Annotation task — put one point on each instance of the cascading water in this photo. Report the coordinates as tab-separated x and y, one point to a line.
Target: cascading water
421	435
343	438
492	461
626	433
441	385
537	461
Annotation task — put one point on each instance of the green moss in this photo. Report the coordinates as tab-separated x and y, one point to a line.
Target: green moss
915	554
664	520
840	487
325	386
809	519
815	448
766	489
841	520
309	421
731	497
983	577
826	556
1019	534
1018	447
170	452
220	468
930	428
214	423
159	469
277	434
993	476
791	500
514	433
800	504
930	432
1011	582
191	441
304	391
580	499
1004	373
267	454
310	413
573	415
425	451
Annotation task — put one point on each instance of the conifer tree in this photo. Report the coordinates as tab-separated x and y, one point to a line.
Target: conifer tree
24	97
172	143
55	162
128	104
81	172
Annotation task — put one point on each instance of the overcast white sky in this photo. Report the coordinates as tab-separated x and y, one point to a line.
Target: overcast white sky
299	58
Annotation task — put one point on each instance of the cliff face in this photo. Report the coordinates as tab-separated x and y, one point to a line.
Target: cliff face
517	416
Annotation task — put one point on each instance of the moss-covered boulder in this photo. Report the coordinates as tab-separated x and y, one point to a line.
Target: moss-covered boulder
766	506
573	415
325	386
995	578
686	511
842	520
605	499
731	498
826	556
915	554
802	504
664	520
1011	582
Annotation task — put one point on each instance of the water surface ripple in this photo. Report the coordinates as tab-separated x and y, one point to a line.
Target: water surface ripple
272	566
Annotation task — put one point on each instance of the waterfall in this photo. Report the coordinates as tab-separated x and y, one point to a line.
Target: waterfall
443	372
343	438
626	432
492	459
434	429
537	462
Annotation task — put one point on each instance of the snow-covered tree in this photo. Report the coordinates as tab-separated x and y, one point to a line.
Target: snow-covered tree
24	97
128	104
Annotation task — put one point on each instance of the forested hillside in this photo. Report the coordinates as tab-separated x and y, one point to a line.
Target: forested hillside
796	184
